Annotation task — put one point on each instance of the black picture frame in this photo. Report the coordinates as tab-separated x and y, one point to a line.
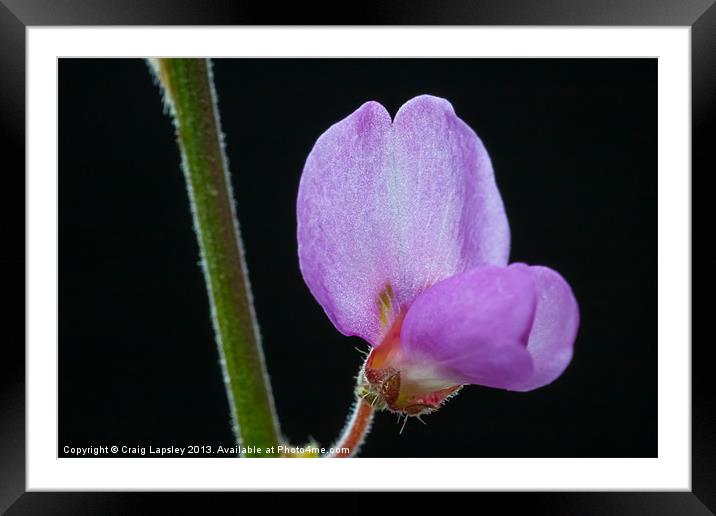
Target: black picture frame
17	15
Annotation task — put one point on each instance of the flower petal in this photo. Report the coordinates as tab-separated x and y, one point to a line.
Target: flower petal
475	326
385	210
551	341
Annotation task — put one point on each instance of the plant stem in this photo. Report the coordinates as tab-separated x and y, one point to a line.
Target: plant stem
355	431
190	96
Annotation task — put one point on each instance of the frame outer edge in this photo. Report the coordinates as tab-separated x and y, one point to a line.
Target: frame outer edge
703	112
12	259
12	127
371	12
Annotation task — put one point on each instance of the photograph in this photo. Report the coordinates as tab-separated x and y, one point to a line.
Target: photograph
357	257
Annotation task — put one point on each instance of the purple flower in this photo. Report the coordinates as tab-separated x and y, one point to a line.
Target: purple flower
404	241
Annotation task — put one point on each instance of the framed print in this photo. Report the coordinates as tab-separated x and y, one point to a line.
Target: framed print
458	255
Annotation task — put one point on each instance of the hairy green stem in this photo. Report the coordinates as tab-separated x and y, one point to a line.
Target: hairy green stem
191	99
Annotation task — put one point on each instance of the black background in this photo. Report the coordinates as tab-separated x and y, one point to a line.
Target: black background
573	143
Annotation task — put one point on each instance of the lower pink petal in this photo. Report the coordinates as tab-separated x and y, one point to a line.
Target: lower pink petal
551	340
475	326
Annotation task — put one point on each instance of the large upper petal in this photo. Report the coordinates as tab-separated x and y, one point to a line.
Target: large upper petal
391	208
507	327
